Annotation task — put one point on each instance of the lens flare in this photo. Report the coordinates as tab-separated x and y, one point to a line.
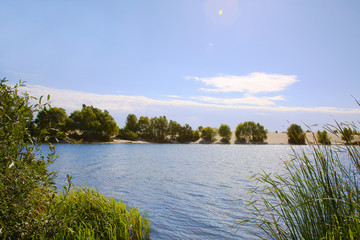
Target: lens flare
220	12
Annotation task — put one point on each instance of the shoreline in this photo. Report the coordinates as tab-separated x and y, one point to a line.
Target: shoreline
272	139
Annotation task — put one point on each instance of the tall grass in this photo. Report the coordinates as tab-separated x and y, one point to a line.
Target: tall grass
317	197
84	213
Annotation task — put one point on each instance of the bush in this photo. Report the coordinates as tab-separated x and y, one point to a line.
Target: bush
127	135
295	134
317	197
25	184
250	132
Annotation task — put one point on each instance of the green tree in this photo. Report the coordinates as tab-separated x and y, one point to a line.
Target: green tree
186	134
295	134
144	127
250	132
225	133
158	129
347	135
174	130
129	132
93	124
51	122
208	134
323	138
131	123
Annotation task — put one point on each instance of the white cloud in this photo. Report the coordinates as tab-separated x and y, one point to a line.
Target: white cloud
73	100
252	83
172	96
252	100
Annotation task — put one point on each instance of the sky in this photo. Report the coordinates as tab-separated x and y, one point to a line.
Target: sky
203	62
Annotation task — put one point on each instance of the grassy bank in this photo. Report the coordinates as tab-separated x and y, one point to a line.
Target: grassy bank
30	205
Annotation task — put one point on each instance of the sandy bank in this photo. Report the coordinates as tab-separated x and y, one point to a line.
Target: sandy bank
272	139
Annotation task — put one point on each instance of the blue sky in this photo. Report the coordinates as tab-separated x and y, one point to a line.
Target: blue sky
269	61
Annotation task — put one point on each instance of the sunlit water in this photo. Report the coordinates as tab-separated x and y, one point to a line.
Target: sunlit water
189	191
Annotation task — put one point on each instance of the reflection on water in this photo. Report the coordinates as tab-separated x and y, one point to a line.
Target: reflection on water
187	190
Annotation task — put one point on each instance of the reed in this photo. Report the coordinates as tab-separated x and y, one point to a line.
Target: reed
84	213
317	197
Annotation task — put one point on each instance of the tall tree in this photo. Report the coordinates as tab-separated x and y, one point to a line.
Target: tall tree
174	130
144	127
158	129
131	123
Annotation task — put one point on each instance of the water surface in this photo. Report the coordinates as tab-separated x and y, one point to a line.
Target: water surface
189	191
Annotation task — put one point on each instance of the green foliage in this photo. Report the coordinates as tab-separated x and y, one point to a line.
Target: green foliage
127	135
29	206
323	138
158	129
93	124
250	132
208	134
174	130
186	134
347	135
225	133
295	134
144	127
25	183
131	123
51	123
317	197
84	213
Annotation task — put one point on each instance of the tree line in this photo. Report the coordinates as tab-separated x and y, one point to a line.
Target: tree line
93	124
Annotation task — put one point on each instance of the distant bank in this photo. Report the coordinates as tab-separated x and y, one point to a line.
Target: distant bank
272	138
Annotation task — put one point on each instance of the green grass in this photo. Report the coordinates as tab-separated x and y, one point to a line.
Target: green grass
84	213
317	197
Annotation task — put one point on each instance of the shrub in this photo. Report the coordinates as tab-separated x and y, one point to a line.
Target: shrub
127	135
25	184
317	197
295	134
